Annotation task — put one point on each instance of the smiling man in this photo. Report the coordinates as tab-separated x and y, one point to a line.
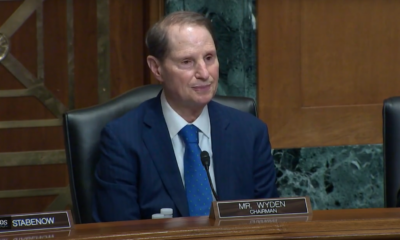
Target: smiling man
150	157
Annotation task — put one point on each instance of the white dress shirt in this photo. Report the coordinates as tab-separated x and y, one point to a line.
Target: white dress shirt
175	123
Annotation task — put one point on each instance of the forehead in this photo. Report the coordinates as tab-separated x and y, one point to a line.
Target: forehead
189	36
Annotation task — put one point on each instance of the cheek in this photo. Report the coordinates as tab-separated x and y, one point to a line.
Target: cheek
178	78
214	69
179	83
185	78
215	73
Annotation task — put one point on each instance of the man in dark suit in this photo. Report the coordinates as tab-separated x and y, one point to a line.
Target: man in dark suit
150	157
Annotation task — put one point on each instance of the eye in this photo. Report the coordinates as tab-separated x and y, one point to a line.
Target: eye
186	62
209	57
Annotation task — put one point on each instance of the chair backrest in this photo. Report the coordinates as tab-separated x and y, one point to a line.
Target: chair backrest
82	136
391	150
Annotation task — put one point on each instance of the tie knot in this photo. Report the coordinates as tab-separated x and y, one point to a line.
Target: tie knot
189	134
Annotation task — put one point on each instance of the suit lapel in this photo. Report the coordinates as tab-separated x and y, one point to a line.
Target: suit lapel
158	142
220	149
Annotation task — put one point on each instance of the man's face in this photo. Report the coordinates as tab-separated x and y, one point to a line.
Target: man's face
190	70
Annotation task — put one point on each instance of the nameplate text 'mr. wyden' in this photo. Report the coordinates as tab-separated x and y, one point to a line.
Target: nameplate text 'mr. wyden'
261	207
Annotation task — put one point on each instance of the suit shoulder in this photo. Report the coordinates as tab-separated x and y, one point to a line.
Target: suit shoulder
238	117
131	118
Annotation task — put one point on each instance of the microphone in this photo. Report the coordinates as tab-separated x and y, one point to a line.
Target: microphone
205	160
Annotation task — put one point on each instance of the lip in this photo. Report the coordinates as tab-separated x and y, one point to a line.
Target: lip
202	87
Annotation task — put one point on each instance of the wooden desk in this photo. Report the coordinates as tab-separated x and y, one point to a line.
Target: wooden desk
380	223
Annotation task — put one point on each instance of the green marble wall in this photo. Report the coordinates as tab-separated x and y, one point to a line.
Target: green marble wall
333	177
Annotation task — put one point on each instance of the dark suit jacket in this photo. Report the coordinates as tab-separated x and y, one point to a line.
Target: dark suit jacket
137	174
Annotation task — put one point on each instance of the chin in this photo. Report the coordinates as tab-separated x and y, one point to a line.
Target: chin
204	100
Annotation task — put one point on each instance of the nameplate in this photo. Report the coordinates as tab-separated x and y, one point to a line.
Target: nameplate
261	207
35	221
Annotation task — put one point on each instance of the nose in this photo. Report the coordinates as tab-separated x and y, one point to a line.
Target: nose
202	71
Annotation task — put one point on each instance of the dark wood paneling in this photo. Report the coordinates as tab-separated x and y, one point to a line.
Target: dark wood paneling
25	53
31	139
23	42
32	177
55	48
24	204
36	109
24	48
126	43
128	22
7	9
85	52
324	69
8	81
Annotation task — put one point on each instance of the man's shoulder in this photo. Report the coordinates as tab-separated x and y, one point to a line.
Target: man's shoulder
234	115
133	117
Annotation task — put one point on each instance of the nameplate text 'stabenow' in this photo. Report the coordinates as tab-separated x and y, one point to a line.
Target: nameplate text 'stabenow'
35	221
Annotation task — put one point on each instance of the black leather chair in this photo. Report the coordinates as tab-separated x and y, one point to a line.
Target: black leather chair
391	150
82	135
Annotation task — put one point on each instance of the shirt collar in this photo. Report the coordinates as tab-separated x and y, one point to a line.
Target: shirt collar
175	122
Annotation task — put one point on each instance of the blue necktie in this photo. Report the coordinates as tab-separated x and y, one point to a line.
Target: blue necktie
198	191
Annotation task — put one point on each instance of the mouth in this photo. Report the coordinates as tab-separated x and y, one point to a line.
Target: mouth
202	88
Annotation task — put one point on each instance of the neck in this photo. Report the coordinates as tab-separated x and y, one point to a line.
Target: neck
189	113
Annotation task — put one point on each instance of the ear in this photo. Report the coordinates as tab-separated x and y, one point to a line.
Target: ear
155	67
